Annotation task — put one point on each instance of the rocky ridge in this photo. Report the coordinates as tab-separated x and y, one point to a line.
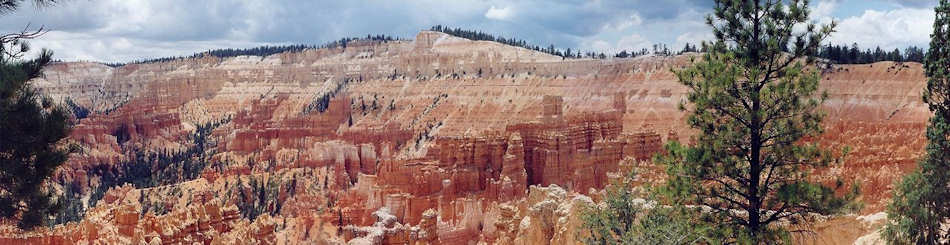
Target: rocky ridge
435	140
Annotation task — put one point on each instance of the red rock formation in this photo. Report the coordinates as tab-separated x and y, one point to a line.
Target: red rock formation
257	128
199	223
493	167
576	152
440	131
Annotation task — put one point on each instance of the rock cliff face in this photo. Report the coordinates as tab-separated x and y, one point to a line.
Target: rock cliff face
439	140
122	222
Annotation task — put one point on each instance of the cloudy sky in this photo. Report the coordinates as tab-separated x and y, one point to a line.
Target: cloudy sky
125	30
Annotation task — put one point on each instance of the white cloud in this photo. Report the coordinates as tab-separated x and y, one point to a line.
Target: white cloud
822	12
104	29
889	29
499	13
599	45
632	42
915	3
624	23
693	38
124	30
97	48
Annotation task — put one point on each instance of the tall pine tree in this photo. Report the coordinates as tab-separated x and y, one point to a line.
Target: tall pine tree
752	101
921	203
32	128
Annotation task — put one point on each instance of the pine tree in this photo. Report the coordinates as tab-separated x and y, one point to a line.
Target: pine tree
752	104
31	130
921	202
895	56
622	54
914	54
624	219
853	54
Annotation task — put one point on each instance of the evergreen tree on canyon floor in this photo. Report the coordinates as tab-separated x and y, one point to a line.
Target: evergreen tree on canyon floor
32	128
752	100
920	207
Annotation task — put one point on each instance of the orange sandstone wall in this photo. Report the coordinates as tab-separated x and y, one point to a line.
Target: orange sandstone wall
436	140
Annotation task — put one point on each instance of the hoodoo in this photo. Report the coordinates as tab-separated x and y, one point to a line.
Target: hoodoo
437	140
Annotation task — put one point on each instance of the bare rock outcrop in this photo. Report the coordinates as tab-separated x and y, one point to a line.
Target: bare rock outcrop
438	140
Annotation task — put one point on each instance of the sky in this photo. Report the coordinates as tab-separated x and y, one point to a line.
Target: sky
128	30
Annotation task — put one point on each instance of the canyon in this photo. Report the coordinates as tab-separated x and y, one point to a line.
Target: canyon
435	140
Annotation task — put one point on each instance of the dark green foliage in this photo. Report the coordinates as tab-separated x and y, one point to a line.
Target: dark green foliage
322	102
7	6
146	169
224	53
921	203
661	50
31	130
149	169
658	49
71	201
260	197
426	134
263	51
752	101
689	48
550	49
629	54
157	208
481	36
623	54
853	55
78	111
625	219
914	54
